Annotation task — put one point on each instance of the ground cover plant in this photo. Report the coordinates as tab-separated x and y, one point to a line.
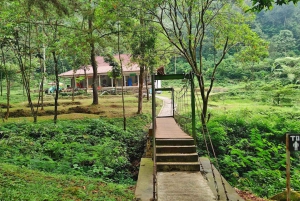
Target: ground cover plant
248	130
89	148
20	183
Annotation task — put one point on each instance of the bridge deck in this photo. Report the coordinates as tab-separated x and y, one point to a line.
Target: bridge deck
173	186
167	128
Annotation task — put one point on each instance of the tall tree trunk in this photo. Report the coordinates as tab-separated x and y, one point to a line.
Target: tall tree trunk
140	97
7	85
57	85
25	73
94	64
43	78
86	81
1	85
74	85
26	84
146	83
41	88
7	97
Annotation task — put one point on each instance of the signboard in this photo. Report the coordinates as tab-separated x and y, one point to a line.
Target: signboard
132	74
294	142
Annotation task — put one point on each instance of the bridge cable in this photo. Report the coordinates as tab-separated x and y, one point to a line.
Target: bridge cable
181	99
206	132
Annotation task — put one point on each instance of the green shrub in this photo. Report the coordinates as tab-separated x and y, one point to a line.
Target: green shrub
90	147
250	147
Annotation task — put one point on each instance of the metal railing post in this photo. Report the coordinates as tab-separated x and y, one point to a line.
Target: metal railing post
193	106
173	104
153	134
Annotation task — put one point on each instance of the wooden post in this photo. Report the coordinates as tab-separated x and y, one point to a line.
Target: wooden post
288	167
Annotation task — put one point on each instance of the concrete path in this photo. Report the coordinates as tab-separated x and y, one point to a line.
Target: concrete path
144	186
178	186
167	108
168	128
183	186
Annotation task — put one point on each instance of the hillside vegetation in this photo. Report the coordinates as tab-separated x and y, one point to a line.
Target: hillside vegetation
248	126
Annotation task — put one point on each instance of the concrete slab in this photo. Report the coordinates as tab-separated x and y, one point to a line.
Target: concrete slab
167	128
183	186
167	108
144	186
206	169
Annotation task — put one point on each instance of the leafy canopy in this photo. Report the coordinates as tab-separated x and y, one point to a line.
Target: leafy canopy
259	5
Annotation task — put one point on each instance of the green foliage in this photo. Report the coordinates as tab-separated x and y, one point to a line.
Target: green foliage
259	5
282	43
115	72
250	147
21	183
251	151
90	147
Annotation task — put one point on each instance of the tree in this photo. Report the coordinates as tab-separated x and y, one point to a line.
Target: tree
259	5
116	72
188	24
143	42
21	41
4	65
147	46
282	43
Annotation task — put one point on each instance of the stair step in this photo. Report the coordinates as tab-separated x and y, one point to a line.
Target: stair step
176	149
176	141
177	166
177	157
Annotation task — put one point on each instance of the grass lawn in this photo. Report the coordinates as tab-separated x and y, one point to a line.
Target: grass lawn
110	106
19	183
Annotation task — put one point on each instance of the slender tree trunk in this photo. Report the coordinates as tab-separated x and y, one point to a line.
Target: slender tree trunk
140	97
29	74
115	83
7	85
86	80
146	83
1	85
7	97
43	77
25	73
57	85
41	88
94	64
73	88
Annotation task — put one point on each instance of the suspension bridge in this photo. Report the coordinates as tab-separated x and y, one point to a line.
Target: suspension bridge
172	169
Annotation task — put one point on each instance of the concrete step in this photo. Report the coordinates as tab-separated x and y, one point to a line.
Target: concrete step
177	166
176	149
174	142
177	157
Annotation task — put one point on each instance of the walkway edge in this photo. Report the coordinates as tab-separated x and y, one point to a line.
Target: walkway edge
206	170
144	186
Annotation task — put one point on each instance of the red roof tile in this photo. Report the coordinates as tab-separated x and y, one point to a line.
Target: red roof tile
104	67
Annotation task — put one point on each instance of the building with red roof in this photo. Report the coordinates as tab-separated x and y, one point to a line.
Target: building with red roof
131	73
